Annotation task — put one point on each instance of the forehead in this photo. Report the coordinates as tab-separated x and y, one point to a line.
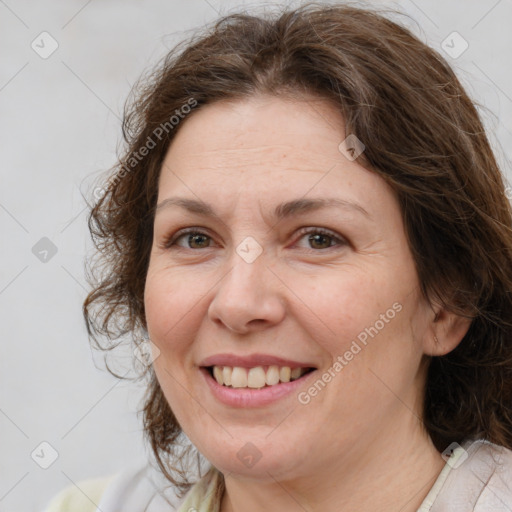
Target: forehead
264	127
266	147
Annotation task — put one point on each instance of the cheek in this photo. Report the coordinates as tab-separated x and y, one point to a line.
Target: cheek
344	307
172	307
366	320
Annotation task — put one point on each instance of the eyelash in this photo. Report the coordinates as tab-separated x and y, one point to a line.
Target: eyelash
170	241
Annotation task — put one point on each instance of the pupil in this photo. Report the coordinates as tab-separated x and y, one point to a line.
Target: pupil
191	237
315	238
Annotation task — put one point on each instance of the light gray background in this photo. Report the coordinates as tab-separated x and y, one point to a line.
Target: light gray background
60	126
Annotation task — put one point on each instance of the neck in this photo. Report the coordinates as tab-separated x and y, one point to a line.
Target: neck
396	471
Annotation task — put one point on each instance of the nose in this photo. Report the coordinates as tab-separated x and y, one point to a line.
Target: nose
248	298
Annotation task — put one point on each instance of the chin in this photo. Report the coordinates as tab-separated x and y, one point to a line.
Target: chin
257	457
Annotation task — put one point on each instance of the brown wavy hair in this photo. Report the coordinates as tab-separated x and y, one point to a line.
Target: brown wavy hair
422	134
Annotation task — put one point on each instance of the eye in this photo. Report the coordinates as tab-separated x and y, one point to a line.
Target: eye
321	238
192	238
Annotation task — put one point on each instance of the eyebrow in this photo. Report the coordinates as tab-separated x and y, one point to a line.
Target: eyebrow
282	211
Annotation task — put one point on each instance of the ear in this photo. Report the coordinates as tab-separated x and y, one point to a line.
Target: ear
446	331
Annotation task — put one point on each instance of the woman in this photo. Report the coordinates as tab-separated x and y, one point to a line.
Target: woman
310	231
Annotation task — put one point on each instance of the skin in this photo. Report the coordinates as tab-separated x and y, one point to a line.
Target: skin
358	442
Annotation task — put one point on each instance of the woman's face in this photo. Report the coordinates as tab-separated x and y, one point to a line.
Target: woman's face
275	285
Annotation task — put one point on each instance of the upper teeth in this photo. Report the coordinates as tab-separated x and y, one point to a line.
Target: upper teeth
257	377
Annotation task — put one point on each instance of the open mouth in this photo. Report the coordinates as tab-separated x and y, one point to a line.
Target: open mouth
257	377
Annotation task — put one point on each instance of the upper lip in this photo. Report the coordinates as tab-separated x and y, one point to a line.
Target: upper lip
251	361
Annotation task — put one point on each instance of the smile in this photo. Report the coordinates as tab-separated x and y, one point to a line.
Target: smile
256	377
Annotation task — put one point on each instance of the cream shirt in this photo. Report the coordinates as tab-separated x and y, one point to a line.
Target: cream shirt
476	478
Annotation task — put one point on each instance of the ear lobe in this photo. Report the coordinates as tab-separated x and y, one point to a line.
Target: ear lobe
447	331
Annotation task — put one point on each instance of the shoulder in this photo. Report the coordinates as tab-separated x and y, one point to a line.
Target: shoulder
494	464
479	480
138	488
82	497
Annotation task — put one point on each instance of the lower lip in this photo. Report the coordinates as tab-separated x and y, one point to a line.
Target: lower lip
247	397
